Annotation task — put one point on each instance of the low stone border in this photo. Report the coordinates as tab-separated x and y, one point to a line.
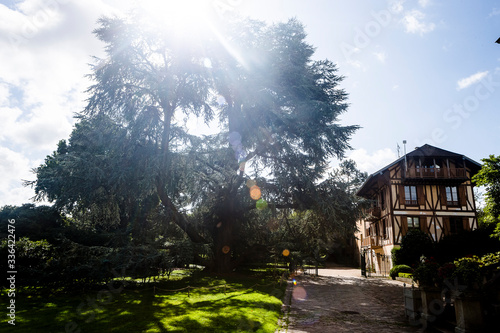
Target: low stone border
285	309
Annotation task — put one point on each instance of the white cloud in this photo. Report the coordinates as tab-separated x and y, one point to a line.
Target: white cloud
355	63
46	46
470	80
381	56
414	23
14	168
423	3
4	95
374	161
494	12
397	6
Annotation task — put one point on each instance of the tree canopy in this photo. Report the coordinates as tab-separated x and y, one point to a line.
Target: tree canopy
489	176
132	161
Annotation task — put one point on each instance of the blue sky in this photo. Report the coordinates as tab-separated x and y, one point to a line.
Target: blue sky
422	71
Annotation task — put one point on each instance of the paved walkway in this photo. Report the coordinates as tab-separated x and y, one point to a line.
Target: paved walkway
340	300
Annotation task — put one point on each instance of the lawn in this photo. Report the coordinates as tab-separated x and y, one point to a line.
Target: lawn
202	302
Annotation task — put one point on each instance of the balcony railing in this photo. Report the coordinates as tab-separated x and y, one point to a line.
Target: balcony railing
373	213
372	241
439	173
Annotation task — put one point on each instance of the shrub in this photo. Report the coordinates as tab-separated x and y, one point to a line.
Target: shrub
399	269
414	244
396	256
468	271
426	274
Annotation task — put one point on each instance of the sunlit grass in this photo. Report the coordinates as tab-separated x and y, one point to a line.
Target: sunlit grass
244	307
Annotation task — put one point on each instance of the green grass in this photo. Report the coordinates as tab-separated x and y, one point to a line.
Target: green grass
405	275
244	307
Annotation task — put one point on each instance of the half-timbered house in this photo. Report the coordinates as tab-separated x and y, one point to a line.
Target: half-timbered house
428	189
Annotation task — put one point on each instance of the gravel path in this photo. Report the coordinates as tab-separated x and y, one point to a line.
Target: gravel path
340	300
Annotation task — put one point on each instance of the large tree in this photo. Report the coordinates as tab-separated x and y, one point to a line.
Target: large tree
274	110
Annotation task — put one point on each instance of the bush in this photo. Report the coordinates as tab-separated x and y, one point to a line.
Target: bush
414	245
426	274
396	256
394	272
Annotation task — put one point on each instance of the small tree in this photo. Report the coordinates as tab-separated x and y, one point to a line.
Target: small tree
414	244
489	176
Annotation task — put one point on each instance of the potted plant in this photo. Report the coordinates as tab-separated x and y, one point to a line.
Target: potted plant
426	275
468	299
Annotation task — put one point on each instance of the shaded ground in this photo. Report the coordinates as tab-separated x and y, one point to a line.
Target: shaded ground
340	300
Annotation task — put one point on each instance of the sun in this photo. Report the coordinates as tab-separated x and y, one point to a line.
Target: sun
184	16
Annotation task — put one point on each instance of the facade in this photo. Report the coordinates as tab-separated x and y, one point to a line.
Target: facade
428	189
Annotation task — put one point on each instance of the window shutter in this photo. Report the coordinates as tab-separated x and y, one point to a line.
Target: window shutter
465	221
401	195
462	195
420	195
442	196
446	225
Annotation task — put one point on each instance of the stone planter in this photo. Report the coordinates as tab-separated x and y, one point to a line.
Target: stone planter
432	303
413	304
469	313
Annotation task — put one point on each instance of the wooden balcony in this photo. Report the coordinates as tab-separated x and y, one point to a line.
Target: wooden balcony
372	242
373	213
435	173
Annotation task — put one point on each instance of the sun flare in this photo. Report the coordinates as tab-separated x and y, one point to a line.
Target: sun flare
182	15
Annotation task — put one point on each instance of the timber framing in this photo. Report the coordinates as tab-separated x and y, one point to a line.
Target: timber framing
428	189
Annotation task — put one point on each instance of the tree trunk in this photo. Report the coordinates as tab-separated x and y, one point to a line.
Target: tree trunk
223	242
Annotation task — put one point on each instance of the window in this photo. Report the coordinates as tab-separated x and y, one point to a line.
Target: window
411	195
384	229
451	196
413	222
456	225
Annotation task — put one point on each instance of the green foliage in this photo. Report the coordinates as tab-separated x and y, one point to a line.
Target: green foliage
34	222
396	256
477	242
468	271
426	273
491	259
131	167
414	244
32	260
406	275
489	176
397	269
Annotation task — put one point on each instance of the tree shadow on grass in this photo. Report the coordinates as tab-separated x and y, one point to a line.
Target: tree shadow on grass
136	310
145	312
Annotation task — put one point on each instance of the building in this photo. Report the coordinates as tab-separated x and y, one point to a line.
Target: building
428	189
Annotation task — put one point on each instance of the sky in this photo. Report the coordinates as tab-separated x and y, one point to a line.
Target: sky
424	71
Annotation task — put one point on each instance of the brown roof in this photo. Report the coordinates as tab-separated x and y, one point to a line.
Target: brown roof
424	151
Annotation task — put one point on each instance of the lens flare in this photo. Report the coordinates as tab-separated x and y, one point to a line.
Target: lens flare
261	204
255	193
299	293
286	252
